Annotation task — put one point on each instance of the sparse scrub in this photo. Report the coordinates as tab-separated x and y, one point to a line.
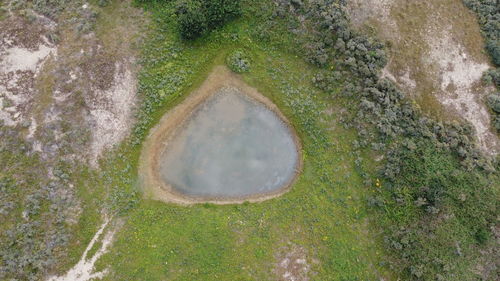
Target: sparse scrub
86	19
32	212
50	8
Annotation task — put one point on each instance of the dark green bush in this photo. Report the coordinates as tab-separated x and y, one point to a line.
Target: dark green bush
192	19
494	102
493	47
482	235
197	17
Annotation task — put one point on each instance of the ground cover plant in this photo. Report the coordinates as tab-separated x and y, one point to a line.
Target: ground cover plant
238	61
38	216
386	192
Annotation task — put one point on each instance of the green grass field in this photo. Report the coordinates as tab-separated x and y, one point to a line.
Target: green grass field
323	215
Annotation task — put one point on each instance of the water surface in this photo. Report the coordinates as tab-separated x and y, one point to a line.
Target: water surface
231	147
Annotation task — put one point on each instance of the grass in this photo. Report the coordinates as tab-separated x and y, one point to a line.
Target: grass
91	196
323	213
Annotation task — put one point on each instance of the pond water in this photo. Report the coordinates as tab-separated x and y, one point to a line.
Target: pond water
231	147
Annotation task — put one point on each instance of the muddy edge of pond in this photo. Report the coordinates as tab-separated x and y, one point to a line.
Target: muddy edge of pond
151	183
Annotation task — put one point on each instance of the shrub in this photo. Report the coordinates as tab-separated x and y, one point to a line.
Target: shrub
482	235
192	19
429	164
493	47
494	102
238	61
197	17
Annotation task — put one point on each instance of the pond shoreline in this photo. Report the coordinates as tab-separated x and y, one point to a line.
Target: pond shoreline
150	181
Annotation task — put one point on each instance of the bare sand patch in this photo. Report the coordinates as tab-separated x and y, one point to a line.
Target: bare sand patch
152	184
21	60
458	76
110	111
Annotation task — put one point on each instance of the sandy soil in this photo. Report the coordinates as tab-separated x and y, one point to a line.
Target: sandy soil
153	186
459	74
436	55
110	112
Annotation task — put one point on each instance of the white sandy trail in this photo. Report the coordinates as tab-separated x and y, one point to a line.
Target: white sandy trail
84	269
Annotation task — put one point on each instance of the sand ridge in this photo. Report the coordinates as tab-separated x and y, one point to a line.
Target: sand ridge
150	181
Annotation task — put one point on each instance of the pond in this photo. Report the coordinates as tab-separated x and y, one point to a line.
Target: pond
232	146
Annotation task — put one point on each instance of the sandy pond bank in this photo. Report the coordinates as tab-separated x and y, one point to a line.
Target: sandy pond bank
152	184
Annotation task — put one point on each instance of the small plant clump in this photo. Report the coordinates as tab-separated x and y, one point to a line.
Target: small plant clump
238	61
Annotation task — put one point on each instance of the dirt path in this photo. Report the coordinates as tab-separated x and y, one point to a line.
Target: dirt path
84	270
153	186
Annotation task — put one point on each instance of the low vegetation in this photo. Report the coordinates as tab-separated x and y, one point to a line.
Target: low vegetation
50	201
37	213
386	191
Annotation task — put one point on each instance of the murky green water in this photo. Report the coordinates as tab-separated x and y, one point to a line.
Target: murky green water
231	147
